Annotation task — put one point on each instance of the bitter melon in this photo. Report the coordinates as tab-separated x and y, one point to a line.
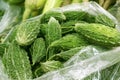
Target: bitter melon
57	14
69	41
38	50
99	34
27	32
53	31
17	63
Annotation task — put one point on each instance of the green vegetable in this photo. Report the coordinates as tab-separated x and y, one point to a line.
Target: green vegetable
52	4
38	72
38	50
52	13
43	29
27	32
74	14
31	6
17	63
68	26
69	41
103	19
65	55
51	66
3	48
99	34
53	31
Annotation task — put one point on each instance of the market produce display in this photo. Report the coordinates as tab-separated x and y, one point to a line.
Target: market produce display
39	45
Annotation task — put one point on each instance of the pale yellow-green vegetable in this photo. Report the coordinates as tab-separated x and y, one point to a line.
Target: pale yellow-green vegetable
31	6
52	4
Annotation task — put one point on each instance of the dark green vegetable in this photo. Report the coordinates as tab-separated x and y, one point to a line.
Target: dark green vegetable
38	50
99	34
27	32
17	63
74	14
69	41
51	66
65	55
43	28
68	27
52	13
38	72
53	31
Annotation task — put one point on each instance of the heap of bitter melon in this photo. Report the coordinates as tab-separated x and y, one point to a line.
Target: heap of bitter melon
45	43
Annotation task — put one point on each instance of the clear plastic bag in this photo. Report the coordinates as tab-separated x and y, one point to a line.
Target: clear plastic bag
92	62
87	69
11	14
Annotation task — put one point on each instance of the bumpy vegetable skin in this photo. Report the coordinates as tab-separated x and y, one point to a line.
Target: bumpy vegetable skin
17	63
99	34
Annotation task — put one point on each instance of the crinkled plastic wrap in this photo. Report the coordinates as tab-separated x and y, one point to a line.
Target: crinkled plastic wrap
87	66
11	14
91	62
115	10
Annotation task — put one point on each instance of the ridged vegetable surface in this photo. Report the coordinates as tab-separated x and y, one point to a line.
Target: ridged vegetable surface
69	41
38	50
27	32
99	34
17	63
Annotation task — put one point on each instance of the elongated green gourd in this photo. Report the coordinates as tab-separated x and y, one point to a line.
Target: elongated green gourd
53	31
27	32
38	50
74	15
57	14
17	63
51	66
65	55
68	41
73	12
99	34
